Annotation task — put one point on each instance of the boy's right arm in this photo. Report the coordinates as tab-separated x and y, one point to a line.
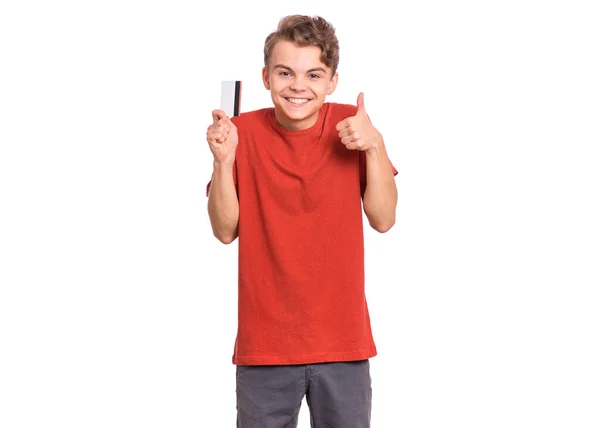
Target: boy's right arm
223	204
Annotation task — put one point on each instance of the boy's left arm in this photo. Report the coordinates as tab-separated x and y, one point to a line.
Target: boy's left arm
381	195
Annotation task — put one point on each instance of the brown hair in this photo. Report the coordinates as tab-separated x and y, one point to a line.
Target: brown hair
307	31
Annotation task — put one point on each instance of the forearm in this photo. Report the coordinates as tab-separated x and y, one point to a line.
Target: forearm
381	194
223	204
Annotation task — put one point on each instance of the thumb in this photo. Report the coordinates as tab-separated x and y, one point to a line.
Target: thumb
218	115
360	103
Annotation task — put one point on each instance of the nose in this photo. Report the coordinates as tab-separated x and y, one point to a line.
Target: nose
298	84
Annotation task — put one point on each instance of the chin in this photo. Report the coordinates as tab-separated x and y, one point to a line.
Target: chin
299	116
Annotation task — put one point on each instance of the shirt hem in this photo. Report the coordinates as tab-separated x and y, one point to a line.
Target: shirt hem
328	357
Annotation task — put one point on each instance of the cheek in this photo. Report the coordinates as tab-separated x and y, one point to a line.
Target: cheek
321	88
277	84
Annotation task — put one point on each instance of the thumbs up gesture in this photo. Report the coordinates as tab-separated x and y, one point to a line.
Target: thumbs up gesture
222	138
357	132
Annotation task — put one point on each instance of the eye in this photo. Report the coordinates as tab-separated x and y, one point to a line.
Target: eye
314	76
284	73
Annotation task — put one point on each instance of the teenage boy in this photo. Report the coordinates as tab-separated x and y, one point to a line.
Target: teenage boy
291	181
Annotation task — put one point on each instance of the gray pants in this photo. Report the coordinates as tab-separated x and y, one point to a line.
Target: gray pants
338	395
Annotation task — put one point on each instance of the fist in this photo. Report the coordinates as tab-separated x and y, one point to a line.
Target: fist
357	132
222	138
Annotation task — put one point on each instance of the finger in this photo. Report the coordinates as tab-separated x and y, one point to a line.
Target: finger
217	115
221	138
349	132
360	103
356	145
216	138
347	140
222	128
343	124
345	133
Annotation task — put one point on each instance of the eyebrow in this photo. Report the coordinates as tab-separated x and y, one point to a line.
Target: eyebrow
309	71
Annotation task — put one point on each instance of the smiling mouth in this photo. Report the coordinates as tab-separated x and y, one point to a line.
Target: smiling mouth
297	101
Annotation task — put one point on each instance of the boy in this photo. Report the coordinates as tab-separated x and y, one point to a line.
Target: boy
291	182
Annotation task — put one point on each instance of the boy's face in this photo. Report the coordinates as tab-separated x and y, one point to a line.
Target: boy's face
299	83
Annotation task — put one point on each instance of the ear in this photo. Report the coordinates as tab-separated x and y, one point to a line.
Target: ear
332	84
265	78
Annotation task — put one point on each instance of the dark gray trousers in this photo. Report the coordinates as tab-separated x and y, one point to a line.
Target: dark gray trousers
338	395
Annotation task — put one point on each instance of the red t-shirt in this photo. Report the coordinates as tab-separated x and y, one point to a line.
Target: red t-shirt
301	285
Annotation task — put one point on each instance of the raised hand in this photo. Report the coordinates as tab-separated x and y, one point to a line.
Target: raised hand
357	132
222	138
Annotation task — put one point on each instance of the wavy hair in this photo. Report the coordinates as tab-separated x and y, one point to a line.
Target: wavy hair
306	31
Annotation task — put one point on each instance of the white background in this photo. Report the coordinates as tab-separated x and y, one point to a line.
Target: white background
117	305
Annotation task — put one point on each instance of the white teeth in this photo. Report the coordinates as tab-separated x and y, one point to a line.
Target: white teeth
297	100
